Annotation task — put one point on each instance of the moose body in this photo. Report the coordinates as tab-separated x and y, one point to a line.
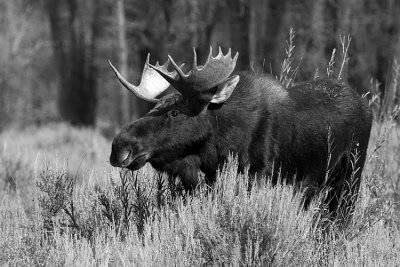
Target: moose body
301	132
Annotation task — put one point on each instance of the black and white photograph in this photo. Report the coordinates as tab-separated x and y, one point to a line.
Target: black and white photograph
200	133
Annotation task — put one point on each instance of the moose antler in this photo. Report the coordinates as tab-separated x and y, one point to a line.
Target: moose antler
151	84
201	78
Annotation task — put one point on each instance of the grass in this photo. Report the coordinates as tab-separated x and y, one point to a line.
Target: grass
131	218
83	152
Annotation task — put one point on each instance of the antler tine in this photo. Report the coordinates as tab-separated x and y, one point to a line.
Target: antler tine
177	68
236	57
209	55
194	59
163	67
170	77
229	53
160	69
220	54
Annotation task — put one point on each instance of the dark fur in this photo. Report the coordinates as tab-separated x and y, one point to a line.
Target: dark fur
267	126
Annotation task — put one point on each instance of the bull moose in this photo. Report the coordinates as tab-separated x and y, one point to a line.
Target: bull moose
215	112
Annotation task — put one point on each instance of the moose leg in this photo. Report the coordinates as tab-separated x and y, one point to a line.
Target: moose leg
190	178
336	182
210	176
258	172
188	170
185	170
345	184
350	187
310	187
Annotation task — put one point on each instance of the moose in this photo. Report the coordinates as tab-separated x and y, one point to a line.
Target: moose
305	132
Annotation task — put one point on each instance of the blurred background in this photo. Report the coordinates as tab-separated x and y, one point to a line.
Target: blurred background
53	54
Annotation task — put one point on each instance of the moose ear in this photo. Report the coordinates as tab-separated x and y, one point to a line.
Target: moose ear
225	90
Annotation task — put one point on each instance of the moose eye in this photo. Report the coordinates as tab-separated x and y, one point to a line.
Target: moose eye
174	113
184	102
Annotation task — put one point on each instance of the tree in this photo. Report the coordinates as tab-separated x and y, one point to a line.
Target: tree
239	31
123	60
22	61
318	43
254	27
203	16
258	29
75	29
275	14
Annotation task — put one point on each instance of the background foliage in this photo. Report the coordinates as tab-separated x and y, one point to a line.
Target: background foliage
54	53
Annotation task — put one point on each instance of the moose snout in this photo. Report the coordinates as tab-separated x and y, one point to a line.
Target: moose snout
127	153
119	158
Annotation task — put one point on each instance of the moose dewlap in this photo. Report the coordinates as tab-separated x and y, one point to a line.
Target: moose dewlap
301	132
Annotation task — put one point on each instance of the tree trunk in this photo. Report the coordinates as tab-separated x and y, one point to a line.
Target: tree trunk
123	61
203	17
257	30
275	17
3	96
344	10
317	44
75	51
239	32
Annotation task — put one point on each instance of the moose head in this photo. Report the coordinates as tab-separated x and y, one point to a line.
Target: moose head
179	122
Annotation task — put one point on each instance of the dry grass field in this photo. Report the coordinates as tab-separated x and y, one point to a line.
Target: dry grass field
61	204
